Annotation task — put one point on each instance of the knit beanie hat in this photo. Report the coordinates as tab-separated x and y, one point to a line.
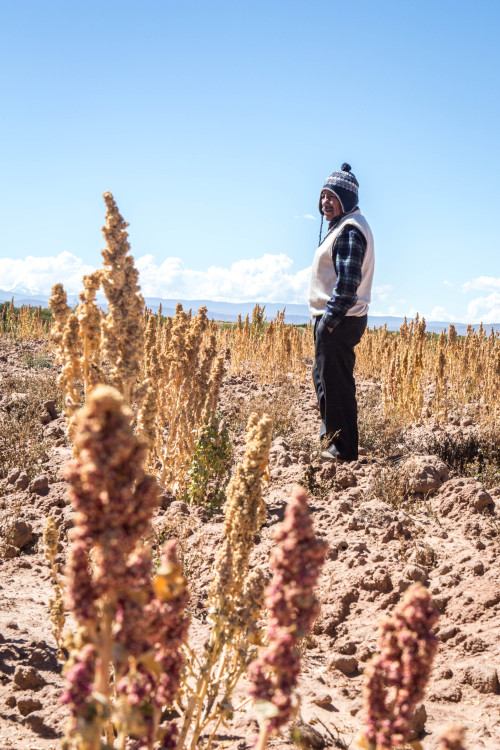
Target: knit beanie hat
345	186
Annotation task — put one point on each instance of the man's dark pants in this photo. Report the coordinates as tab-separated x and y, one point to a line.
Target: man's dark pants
333	376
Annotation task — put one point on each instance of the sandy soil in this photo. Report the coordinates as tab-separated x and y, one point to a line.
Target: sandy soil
447	538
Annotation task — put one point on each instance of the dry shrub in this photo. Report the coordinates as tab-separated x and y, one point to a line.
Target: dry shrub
185	369
379	431
280	409
21	435
279	404
24	322
21	438
179	527
389	485
423	375
457	449
485	471
270	352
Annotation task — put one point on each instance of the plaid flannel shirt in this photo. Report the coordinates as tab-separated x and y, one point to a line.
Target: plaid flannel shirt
348	254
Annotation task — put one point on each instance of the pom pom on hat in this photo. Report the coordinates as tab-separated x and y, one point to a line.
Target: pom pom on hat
345	186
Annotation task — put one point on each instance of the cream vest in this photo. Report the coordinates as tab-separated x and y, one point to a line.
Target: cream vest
324	277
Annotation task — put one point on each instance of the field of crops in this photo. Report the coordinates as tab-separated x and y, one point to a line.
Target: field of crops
180	570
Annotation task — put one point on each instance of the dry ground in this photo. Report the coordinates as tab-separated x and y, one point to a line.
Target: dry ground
446	536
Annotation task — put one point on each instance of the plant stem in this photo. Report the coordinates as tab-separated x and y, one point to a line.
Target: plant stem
263	737
210	739
85	366
196	700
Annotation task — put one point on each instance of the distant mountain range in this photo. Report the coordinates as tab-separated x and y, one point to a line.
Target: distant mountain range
229	311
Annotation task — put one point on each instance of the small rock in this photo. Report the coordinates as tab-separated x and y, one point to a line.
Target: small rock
178	507
39	485
463	493
376	579
446	674
13	475
482	677
415	573
201	513
425	474
440	602
402	584
477	568
307	736
345	477
54	430
474	644
36	723
22	534
11	701
22	481
9	551
50	406
348	665
344	506
348	648
360	547
323	700
446	633
28	678
327	471
166	499
27	705
364	652
281	458
418	723
452	694
444	569
45	417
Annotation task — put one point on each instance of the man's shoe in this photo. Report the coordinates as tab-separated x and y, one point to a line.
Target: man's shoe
331	454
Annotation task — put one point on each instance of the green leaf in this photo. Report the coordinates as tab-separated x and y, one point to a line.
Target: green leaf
265	711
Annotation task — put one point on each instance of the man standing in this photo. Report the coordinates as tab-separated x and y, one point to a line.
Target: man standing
339	294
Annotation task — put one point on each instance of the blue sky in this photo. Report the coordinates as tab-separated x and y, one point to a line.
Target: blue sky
215	124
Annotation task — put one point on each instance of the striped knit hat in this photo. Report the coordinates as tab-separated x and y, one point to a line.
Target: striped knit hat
345	186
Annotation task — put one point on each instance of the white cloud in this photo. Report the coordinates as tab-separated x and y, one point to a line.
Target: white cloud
40	274
440	314
448	283
482	284
484	309
270	278
380	292
305	216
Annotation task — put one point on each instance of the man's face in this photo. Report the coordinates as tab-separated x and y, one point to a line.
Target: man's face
330	204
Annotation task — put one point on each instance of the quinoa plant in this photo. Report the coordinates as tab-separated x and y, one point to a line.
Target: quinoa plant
396	677
292	608
208	474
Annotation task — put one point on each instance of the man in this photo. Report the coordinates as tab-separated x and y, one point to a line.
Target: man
339	294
